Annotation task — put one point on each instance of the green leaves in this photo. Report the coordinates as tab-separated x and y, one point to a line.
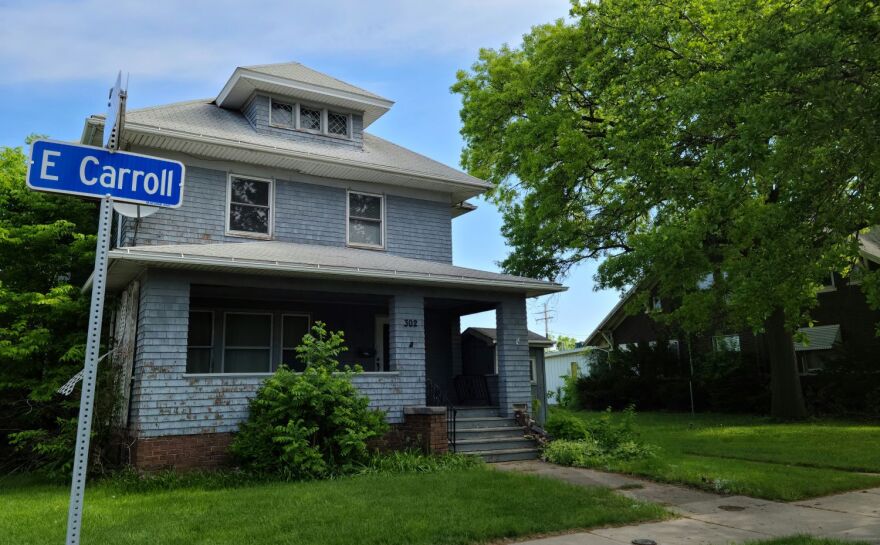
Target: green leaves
682	139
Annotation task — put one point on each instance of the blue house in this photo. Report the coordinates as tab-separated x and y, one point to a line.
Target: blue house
294	213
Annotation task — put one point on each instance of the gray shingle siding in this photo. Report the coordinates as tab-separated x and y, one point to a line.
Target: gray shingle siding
514	386
304	213
256	111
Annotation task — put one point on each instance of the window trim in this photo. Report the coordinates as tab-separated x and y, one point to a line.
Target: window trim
294	113
533	370
247	234
271	316
348	219
283	315
210	347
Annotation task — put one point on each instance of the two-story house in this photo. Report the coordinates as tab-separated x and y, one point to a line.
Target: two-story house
294	213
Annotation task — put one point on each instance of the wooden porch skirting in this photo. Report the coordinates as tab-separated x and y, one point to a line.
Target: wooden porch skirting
423	428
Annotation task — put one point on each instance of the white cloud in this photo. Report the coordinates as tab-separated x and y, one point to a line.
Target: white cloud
161	39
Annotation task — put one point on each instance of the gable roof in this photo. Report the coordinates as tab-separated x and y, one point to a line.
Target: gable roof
312	260
490	336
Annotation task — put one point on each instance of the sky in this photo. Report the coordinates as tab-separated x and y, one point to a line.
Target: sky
58	60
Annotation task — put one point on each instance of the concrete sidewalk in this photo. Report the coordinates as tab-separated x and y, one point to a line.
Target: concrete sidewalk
711	519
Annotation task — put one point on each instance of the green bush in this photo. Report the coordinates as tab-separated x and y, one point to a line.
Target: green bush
419	462
312	424
566	426
611	434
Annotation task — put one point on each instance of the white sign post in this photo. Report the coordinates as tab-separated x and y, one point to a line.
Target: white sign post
60	167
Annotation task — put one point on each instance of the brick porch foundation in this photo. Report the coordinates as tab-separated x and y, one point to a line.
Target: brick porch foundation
423	428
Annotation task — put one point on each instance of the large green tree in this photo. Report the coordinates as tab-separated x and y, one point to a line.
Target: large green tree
680	140
46	253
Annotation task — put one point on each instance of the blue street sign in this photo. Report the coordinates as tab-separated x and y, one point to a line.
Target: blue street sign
75	169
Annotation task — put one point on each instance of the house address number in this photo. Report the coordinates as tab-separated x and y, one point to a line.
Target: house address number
410	323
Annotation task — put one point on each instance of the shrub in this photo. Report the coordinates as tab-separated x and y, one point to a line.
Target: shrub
312	424
418	462
566	426
610	434
602	441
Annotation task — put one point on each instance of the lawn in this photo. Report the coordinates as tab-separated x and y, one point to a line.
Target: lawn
750	455
460	506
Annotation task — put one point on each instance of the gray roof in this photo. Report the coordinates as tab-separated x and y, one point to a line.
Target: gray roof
820	337
289	259
298	72
204	121
491	334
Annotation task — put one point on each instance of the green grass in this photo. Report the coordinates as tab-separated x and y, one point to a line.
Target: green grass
451	507
750	455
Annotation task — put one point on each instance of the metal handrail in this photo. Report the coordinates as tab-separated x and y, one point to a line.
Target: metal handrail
434	395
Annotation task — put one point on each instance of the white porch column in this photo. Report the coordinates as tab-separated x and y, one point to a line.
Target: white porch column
406	324
513	355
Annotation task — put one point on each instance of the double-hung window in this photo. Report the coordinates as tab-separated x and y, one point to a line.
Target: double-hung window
200	342
365	220
249	207
247	342
293	329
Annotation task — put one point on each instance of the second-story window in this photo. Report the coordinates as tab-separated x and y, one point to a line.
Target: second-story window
309	119
337	123
365	215
250	207
281	115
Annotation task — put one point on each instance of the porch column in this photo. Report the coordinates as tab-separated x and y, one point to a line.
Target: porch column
406	326
514	387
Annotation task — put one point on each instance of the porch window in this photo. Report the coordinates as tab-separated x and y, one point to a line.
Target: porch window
247	342
293	328
249	207
281	115
200	342
365	220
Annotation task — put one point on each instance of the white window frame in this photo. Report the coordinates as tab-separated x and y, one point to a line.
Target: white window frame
533	366
323	125
294	112
305	315
209	347
348	219
271	342
348	124
248	234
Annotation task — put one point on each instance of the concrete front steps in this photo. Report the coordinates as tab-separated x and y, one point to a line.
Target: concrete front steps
481	432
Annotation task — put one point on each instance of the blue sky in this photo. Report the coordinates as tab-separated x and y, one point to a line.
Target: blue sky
59	59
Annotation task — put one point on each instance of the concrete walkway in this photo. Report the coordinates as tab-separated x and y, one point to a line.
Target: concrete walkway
711	519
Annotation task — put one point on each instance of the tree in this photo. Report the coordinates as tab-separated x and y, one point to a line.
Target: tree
680	140
564	342
46	251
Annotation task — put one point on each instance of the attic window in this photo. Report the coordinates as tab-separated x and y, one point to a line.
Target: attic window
309	119
337	123
281	115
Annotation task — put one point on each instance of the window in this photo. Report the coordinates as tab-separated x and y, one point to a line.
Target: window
200	342
365	214
247	343
656	304
250	207
281	115
726	343
293	328
337	123
309	119
533	371
828	283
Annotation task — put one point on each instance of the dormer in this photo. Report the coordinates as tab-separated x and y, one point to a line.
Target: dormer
292	101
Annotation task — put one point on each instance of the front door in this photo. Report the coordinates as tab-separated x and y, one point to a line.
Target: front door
382	332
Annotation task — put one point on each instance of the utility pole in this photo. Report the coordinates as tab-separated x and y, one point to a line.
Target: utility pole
546	314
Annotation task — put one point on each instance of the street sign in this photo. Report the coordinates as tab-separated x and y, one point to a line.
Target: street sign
113	120
75	169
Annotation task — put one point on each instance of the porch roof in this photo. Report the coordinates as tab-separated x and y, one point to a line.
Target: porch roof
490	336
311	260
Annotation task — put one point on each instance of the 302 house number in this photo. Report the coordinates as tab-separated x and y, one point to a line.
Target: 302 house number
410	323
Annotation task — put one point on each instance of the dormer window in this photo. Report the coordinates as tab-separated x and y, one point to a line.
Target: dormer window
337	123
309	119
281	115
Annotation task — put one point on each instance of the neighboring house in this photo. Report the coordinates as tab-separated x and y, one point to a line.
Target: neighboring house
842	318
479	379
561	363
293	213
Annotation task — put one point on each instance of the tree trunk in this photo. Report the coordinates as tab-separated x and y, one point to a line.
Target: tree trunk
786	396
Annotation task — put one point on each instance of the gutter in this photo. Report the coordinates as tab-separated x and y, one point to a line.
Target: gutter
361	273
